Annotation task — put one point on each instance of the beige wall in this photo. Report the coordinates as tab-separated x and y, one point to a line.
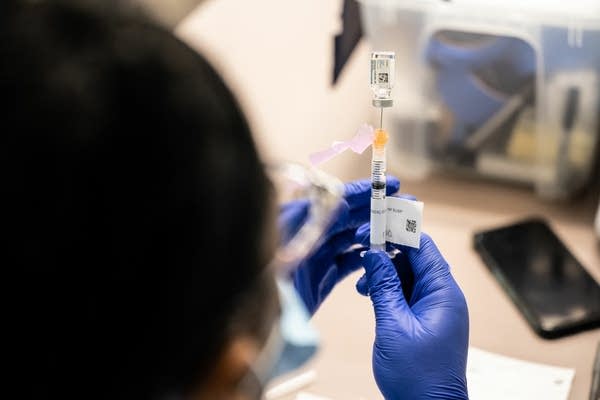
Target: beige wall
277	57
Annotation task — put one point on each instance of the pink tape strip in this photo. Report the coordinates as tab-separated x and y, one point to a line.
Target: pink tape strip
359	143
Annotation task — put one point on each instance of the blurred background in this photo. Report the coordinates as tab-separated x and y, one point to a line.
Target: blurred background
278	58
512	99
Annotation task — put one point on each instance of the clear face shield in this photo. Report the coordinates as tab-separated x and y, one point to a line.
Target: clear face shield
308	201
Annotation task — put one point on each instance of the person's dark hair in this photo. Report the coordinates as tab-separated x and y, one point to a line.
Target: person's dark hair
134	202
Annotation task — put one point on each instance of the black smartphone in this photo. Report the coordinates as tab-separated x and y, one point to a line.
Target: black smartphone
553	291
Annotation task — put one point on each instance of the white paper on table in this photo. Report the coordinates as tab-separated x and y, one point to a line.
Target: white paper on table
493	377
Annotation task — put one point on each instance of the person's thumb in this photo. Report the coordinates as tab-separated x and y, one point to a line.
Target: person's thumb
362	286
384	287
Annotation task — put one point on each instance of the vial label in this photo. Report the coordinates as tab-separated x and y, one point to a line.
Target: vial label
380	72
382	77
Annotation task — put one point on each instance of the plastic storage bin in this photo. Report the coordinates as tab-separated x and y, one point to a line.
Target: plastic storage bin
503	89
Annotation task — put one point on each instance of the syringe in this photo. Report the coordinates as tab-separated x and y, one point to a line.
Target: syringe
382	81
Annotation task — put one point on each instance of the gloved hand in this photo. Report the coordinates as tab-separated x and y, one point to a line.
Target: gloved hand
317	275
422	332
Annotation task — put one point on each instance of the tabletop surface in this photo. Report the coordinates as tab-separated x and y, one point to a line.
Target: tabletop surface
454	209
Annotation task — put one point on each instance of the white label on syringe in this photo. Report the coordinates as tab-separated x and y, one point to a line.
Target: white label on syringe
378	220
404	219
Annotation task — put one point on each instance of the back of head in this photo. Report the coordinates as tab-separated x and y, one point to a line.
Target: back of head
133	200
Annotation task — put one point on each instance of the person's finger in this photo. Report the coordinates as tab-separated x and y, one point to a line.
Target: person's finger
362	286
335	245
339	220
358	193
291	217
427	259
354	219
315	280
340	243
404	270
349	261
385	290
363	234
358	215
407	277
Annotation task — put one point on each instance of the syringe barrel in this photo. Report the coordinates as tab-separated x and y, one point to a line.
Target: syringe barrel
378	201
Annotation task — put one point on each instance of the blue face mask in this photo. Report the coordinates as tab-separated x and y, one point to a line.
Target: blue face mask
291	343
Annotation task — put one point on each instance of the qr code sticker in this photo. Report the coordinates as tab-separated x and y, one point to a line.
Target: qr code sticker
411	226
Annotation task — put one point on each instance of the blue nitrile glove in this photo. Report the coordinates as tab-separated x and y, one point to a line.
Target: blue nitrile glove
421	342
407	278
331	262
